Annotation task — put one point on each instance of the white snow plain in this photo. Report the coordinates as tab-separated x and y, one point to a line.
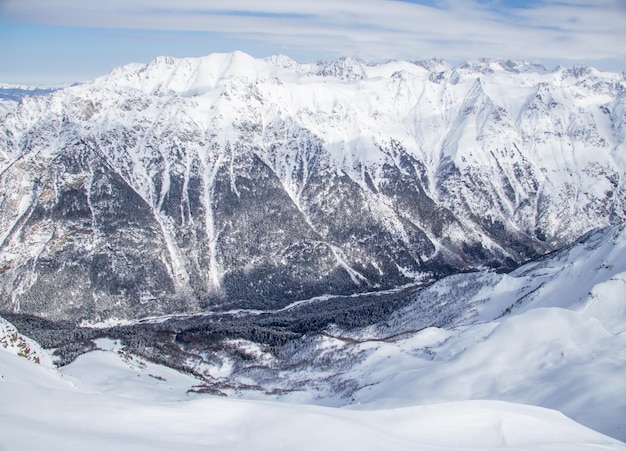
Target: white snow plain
40	410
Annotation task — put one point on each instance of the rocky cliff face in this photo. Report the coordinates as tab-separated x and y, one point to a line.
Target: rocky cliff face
227	182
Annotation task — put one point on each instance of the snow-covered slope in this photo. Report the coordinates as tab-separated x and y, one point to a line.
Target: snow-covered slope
550	334
229	182
37	417
15	343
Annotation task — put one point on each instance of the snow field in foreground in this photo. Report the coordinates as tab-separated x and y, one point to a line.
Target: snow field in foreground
62	417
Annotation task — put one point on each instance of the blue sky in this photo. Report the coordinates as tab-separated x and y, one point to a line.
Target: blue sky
60	41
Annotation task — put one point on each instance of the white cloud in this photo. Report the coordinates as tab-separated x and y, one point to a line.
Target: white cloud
551	30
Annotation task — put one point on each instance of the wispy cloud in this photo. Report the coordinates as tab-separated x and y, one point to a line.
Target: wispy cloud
537	30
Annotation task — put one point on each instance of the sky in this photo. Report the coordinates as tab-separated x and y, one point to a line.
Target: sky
47	42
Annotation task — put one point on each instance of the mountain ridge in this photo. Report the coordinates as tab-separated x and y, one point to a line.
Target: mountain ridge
224	181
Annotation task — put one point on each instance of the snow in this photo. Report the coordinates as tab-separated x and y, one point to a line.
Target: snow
38	417
113	371
352	120
607	304
549	334
547	357
13	342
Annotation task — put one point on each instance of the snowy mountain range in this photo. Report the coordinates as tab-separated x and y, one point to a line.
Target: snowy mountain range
228	182
11	95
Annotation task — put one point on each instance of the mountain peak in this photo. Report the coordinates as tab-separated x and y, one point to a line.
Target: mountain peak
345	68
